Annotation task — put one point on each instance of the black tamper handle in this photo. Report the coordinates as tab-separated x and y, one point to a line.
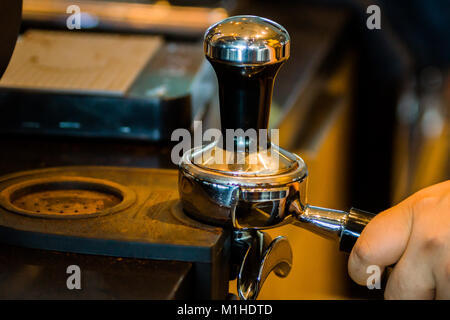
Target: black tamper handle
245	95
246	53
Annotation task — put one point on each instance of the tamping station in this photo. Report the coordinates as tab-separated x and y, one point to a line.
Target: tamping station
215	224
267	188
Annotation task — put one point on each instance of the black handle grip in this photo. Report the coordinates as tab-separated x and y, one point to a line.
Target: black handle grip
245	94
356	222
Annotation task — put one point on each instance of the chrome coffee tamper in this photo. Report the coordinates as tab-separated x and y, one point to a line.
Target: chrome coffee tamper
244	181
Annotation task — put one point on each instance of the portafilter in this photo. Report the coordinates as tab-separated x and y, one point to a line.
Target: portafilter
246	182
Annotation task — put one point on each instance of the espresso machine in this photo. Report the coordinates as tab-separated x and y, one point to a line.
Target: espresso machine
217	216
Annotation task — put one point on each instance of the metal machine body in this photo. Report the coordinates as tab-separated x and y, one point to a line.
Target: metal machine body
10	19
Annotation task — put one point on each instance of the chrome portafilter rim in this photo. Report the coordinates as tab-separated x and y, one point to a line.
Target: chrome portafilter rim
233	201
298	172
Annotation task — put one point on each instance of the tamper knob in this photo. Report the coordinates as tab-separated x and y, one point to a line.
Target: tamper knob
247	41
246	53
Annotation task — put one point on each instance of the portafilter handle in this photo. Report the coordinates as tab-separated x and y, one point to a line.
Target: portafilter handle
343	226
246	53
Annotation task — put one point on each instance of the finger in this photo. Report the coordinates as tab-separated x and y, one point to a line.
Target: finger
412	279
443	285
443	278
382	241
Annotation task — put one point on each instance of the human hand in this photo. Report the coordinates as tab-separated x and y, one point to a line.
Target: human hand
414	235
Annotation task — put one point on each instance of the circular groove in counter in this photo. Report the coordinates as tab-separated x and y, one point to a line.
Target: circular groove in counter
66	197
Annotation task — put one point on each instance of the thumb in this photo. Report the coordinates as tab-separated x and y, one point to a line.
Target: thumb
382	241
